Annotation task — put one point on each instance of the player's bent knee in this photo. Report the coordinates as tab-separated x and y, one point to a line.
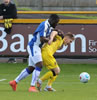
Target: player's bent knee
57	70
39	64
31	68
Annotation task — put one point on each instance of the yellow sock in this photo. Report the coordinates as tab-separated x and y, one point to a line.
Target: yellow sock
46	76
51	80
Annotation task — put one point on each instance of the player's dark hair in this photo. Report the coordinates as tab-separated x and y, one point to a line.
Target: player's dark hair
54	17
53	20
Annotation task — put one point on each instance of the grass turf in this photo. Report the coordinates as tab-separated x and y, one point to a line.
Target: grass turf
67	84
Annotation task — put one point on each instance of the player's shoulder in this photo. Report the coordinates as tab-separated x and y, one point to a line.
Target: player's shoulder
44	24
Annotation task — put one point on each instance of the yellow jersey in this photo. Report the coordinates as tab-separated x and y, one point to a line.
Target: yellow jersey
54	46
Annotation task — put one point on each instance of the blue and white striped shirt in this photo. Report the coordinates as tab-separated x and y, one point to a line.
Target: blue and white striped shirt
43	30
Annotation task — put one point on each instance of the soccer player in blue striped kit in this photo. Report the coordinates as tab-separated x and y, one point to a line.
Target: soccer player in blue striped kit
41	35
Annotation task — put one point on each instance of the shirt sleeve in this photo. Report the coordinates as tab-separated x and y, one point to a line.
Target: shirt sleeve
44	29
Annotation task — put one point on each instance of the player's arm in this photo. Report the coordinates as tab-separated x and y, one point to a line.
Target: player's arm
53	34
50	38
43	32
44	39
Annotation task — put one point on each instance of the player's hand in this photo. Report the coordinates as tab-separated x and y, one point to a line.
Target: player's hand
49	42
1	17
60	31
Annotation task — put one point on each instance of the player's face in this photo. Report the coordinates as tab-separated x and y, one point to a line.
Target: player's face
6	2
67	40
54	23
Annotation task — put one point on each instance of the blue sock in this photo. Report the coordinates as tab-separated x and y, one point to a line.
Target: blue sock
38	68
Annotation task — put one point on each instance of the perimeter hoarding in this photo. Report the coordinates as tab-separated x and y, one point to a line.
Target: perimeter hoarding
15	44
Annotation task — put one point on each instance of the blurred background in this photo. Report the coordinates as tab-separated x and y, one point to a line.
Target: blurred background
83	25
72	5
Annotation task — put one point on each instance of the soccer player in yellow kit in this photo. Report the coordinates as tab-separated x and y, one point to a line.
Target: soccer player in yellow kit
49	61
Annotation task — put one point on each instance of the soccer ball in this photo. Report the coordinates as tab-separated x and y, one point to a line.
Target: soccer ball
84	77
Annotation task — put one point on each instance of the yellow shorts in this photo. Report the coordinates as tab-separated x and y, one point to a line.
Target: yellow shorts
49	61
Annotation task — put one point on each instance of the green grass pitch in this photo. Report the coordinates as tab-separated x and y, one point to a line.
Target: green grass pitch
67	84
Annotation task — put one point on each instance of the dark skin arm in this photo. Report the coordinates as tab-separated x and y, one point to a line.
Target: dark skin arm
44	39
52	36
49	39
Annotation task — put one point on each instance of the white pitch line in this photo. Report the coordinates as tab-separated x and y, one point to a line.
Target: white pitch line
2	80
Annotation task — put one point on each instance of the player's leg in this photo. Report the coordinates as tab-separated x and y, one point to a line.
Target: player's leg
49	85
52	74
24	73
36	73
50	63
55	71
51	77
37	59
35	76
46	76
27	71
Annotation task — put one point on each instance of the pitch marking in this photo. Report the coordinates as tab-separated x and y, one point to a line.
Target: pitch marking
2	80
